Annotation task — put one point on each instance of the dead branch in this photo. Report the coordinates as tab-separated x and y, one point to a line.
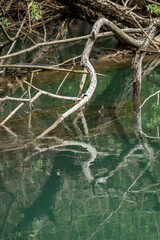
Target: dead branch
7	98
152	95
106	34
45	68
137	63
63	80
51	94
18	107
86	63
150	1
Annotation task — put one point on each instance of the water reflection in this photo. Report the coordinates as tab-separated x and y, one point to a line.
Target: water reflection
96	178
58	189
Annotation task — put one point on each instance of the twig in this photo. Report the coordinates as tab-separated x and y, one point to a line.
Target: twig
106	34
126	2
51	94
149	98
157	98
64	80
130	10
83	79
145	32
69	60
45	31
7	98
19	31
10	132
6	34
45	68
107	219
29	90
18	107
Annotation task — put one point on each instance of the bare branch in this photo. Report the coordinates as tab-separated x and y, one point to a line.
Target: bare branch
18	107
45	68
86	63
7	98
152	95
51	94
106	34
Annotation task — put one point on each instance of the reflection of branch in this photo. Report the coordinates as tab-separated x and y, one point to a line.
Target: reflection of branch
145	188
85	165
120	165
151	159
156	93
138	121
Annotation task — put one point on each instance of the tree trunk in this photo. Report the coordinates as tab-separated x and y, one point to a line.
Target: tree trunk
91	10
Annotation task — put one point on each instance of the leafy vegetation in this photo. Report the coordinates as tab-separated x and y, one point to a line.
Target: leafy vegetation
153	8
34	11
4	21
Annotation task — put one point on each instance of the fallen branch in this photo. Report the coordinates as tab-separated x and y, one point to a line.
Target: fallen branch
55	42
7	98
46	68
86	63
18	107
51	94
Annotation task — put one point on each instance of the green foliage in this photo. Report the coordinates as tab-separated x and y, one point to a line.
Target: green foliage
4	21
34	10
153	8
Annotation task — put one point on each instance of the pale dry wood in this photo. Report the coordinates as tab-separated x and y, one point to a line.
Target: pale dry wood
55	42
86	63
7	98
45	68
64	80
51	94
152	95
18	107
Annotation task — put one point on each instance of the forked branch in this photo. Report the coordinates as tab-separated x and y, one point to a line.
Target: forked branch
86	63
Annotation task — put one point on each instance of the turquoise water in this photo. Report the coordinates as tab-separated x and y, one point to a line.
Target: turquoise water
95	179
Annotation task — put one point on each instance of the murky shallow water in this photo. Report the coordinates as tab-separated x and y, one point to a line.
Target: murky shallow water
96	179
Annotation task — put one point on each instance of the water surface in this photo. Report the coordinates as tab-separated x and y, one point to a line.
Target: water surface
96	178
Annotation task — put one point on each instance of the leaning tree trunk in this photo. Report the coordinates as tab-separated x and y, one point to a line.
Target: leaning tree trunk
91	10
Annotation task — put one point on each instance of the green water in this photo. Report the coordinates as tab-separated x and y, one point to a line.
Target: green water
96	179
